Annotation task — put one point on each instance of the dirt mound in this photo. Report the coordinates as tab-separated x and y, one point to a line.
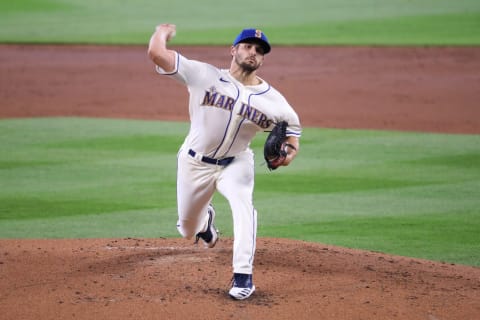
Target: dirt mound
173	279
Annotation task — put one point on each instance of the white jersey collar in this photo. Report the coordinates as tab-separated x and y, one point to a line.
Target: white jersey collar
254	88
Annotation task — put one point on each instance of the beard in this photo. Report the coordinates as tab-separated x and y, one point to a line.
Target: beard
246	66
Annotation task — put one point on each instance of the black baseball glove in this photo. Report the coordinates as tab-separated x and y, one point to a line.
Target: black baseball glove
274	148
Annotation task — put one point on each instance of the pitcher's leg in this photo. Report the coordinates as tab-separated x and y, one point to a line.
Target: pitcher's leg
195	188
236	185
244	244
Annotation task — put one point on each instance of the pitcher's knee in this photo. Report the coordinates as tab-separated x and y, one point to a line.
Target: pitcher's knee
188	228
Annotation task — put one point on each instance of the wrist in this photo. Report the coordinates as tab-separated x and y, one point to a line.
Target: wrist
290	148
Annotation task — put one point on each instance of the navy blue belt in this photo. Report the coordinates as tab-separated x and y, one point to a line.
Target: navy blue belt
219	162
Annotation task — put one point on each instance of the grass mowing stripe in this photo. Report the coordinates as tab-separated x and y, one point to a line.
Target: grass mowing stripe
307	183
313	22
446	29
397	192
158	222
430	235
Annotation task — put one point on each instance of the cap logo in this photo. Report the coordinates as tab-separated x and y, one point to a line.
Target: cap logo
258	33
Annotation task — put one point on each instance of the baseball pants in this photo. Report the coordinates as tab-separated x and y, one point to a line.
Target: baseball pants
197	182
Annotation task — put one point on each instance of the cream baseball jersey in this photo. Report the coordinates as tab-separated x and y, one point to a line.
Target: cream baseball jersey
225	115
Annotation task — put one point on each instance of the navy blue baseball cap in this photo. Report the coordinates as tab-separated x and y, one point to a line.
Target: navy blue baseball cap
253	35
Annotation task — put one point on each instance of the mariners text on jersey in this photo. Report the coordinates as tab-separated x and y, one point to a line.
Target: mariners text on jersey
214	99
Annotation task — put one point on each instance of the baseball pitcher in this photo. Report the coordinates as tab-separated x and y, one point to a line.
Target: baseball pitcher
227	108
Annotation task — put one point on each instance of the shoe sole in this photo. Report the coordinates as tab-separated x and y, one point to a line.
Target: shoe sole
213	230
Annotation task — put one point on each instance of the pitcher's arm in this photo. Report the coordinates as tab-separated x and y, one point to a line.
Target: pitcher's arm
157	48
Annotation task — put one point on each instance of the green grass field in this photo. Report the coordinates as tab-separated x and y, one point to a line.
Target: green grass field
308	22
404	193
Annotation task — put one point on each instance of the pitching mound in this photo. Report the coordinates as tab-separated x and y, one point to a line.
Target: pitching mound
173	279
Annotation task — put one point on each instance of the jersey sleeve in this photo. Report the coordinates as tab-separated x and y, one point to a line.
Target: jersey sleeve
186	71
287	113
294	128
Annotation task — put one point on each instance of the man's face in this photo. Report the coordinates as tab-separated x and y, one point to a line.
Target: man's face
249	56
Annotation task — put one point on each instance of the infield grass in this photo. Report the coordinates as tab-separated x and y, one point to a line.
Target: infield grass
412	194
306	22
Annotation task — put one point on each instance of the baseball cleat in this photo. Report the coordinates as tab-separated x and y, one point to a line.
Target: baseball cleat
210	236
242	286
